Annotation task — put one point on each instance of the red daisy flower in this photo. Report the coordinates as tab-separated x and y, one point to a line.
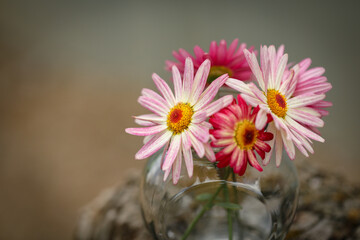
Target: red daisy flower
235	132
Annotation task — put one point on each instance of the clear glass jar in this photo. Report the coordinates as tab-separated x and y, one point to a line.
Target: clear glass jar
257	205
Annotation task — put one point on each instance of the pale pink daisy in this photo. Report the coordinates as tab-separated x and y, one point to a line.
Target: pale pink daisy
235	132
312	81
290	113
230	60
178	121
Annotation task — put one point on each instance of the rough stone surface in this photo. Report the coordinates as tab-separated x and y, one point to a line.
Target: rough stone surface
329	208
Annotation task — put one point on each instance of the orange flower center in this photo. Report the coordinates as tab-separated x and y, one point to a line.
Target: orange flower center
217	71
277	102
246	135
179	117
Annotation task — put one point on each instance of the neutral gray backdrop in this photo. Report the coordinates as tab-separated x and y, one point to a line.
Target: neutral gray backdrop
71	71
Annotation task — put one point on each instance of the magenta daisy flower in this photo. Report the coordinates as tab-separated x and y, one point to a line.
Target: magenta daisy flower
178	121
223	60
290	113
235	132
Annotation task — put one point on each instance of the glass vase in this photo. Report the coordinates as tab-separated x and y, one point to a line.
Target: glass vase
215	204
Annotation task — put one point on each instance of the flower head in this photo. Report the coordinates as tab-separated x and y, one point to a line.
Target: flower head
235	132
277	96
178	121
224	60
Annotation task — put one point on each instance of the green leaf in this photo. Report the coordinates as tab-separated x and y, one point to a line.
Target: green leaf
231	206
204	196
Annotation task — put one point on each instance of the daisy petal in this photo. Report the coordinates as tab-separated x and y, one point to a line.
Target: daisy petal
234	159
271	129
305	118
239	86
188	79
197	145
209	94
151	94
254	65
153	145
151	118
201	133
177	168
178	86
218	104
188	157
280	70
278	148
303	100
289	146
252	160
166	174
185	139
164	89
144	123
302	130
209	153
258	94
146	131
172	152
261	119
199	82
153	105
199	116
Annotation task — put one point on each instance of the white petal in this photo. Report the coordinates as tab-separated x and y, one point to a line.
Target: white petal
209	153
188	79
178	86
280	70
188	157
239	86
304	100
200	132
278	148
254	65
153	145
199	82
271	129
172	152
197	145
217	105
164	89
261	119
177	168
289	145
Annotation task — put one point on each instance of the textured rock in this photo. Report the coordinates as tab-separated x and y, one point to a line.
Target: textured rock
329	208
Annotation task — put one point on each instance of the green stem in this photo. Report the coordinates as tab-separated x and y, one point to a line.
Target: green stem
237	216
201	213
227	198
234	188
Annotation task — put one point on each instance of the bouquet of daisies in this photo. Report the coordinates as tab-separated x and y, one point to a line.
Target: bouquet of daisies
278	105
274	105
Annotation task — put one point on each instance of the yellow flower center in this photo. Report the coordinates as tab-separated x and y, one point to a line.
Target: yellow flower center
179	117
246	135
217	71
277	102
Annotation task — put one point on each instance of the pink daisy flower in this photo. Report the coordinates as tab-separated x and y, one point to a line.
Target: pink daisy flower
235	132
178	121
290	113
223	60
312	81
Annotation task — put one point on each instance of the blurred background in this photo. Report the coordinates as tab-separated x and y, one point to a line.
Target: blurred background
71	72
